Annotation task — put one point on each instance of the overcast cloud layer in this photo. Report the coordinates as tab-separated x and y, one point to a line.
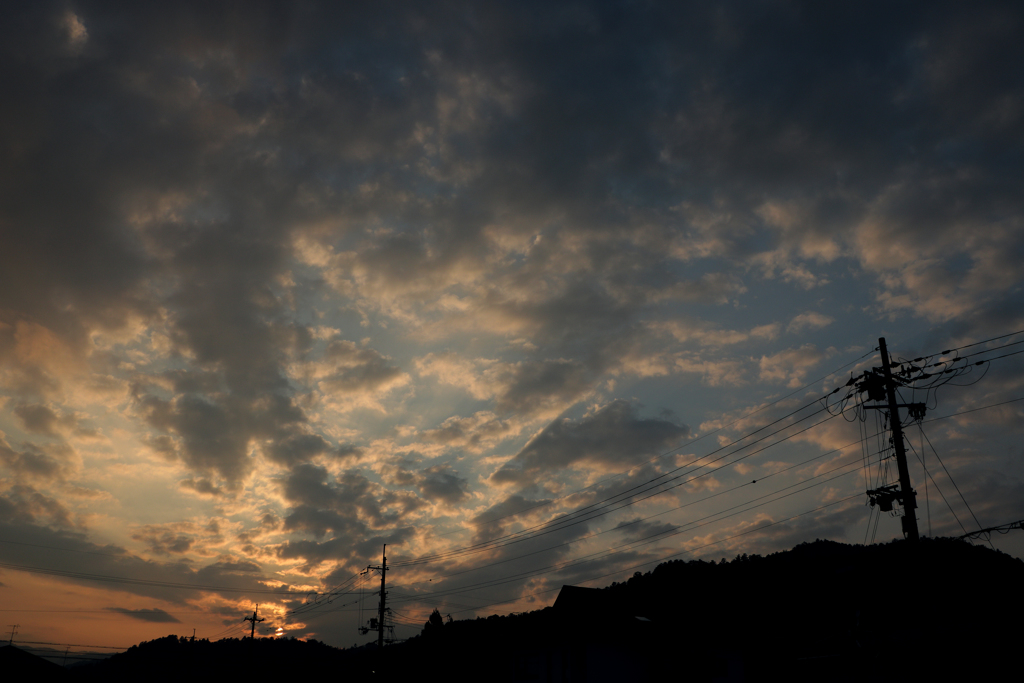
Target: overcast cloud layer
281	283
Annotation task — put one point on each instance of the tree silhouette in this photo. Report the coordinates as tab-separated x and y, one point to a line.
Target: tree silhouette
433	625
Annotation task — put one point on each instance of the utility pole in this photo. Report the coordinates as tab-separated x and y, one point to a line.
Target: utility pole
253	619
378	623
383	595
884	496
14	631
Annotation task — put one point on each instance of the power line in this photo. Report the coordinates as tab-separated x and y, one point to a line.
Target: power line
985	341
663	535
632	545
950	476
576	516
714	517
659	514
678	448
666	557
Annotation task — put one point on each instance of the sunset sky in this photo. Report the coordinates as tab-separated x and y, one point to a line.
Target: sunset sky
282	283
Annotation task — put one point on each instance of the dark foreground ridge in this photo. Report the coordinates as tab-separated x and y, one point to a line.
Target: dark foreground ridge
821	611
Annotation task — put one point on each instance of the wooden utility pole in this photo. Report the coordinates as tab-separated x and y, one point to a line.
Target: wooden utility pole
884	496
378	623
909	496
253	619
383	596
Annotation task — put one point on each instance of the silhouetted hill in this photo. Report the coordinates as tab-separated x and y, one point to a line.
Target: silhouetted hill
176	658
16	664
821	611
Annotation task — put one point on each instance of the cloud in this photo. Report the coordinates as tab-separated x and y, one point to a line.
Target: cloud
38	419
637	530
256	253
348	369
24	503
51	462
476	433
792	365
180	538
348	504
611	437
154	615
304	447
441	483
533	387
808	321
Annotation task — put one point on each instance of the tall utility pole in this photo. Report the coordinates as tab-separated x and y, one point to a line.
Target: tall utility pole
383	595
378	623
906	495
253	619
909	519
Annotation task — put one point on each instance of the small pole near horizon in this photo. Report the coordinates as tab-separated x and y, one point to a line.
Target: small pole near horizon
14	631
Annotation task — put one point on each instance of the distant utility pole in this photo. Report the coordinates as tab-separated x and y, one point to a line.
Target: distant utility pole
14	631
253	619
882	387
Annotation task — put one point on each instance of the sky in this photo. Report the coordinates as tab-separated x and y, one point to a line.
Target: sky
281	283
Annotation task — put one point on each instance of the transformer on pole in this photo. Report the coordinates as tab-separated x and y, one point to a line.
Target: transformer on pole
882	387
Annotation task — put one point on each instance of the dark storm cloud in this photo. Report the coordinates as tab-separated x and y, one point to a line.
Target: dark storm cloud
154	615
203	486
39	545
348	503
170	127
44	463
606	117
472	432
355	369
547	175
614	436
23	503
637	529
345	547
166	542
443	484
492	522
211	440
38	419
304	447
528	383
